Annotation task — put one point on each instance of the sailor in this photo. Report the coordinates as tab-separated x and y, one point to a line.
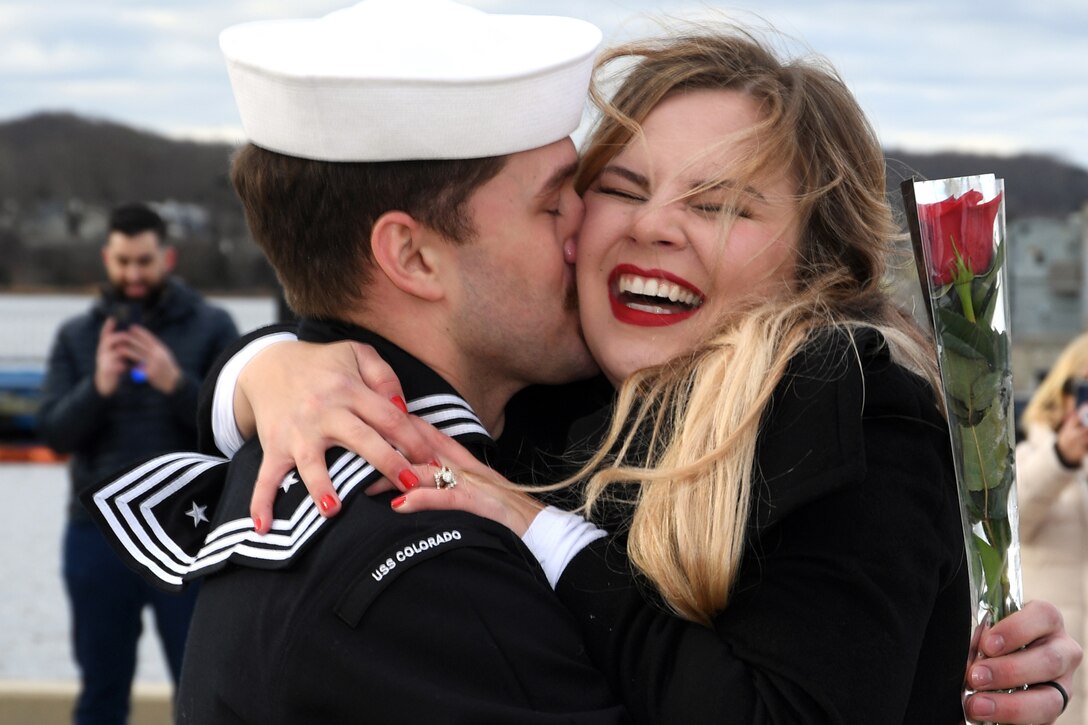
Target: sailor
409	176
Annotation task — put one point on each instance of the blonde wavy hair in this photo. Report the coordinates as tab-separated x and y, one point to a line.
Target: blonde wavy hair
684	432
1047	404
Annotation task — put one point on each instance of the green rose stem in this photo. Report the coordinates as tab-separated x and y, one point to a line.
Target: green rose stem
964	292
962	282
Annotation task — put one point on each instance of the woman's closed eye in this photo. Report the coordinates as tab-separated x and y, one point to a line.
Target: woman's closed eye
620	193
713	209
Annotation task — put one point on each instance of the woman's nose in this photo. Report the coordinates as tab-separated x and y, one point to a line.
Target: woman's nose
658	224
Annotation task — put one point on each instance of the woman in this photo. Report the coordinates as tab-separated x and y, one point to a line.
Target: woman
776	476
1051	485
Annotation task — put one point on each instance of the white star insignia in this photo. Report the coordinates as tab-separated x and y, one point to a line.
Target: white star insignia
289	480
197	514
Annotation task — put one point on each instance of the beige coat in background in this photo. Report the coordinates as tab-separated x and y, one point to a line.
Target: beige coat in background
1054	542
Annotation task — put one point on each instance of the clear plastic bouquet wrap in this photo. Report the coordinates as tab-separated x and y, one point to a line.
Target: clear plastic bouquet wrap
958	229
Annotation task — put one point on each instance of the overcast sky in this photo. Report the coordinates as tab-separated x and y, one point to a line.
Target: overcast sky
1002	76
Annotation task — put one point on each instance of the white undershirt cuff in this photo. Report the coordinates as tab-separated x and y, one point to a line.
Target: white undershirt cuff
555	537
228	439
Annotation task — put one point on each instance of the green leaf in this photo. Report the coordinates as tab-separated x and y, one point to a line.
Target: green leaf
957	408
1002	351
985	451
957	332
991	506
997	263
985	390
959	372
986	287
992	562
986	302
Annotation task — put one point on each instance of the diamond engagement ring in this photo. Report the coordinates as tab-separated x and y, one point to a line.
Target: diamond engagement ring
444	478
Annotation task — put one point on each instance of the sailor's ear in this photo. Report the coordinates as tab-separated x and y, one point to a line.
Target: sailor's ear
410	254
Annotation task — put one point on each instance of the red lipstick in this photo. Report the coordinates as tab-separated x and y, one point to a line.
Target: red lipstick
644	312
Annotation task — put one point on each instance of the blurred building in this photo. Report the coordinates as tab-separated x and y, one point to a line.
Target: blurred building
1047	268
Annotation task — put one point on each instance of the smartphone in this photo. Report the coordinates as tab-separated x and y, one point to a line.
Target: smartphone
127	314
1080	393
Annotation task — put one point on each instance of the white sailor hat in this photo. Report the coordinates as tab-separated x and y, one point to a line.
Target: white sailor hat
390	80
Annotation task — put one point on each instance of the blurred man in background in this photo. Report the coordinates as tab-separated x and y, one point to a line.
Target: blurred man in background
121	384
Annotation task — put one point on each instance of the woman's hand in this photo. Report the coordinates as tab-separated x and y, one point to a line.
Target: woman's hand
478	488
1028	647
303	398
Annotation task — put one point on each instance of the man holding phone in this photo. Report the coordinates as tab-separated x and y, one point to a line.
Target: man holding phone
122	383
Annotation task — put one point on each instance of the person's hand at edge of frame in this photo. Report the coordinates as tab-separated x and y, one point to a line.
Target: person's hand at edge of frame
1028	647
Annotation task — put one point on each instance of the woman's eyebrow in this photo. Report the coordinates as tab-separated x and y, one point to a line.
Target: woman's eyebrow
730	185
635	178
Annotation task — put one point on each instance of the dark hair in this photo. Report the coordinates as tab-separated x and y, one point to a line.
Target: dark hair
136	218
313	219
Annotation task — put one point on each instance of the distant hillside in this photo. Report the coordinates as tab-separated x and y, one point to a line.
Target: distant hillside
1034	185
53	156
60	174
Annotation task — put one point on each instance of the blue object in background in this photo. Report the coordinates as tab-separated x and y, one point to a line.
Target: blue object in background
20	396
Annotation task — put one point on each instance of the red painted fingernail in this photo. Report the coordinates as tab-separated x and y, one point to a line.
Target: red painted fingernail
408	478
399	402
398	501
257	523
328	501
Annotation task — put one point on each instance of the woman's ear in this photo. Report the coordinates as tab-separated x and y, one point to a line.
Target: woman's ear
406	253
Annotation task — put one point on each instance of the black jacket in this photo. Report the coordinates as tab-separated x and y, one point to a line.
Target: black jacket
852	603
106	434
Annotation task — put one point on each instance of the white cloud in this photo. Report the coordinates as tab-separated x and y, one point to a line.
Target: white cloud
28	58
216	134
923	141
101	91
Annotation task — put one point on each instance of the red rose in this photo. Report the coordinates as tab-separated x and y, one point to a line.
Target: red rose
959	229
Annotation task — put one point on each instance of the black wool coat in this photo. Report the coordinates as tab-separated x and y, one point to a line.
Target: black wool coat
852	603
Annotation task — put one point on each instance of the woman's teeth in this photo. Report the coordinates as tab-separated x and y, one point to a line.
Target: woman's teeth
661	289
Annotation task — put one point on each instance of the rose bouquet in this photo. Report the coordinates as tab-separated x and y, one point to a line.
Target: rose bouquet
958	229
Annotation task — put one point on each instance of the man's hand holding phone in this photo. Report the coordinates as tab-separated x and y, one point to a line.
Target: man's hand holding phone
111	358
